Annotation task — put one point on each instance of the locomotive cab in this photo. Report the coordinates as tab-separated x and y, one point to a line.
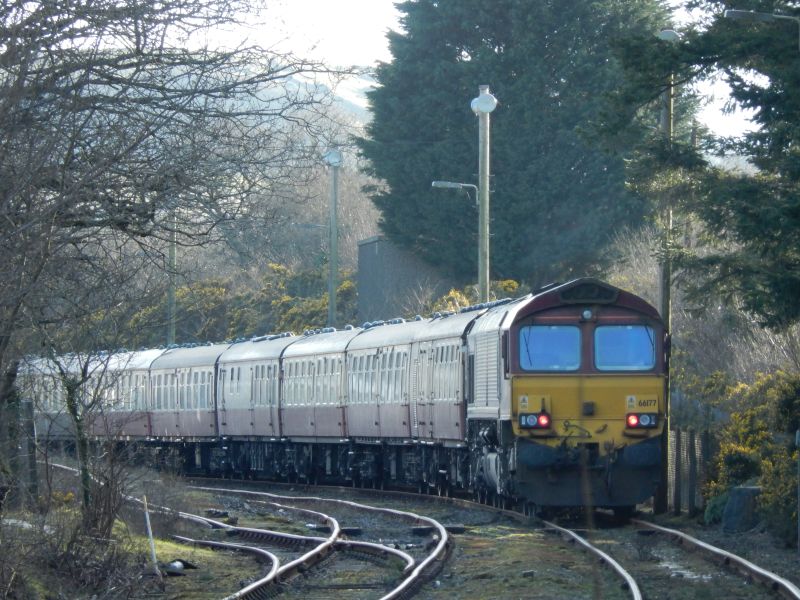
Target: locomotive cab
587	370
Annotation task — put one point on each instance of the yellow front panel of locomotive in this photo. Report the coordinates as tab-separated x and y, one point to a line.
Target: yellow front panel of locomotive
588	409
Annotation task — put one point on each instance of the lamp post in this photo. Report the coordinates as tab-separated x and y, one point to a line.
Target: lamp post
333	158
661	500
667	113
484	104
173	267
752	16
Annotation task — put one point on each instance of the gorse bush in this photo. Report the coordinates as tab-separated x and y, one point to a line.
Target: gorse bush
778	500
757	445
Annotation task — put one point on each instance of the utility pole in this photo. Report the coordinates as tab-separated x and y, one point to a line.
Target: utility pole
173	267
484	104
333	158
661	502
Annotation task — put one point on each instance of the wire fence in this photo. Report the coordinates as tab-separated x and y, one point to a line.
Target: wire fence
690	456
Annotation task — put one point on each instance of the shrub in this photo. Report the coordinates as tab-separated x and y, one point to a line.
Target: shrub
757	443
715	508
778	499
739	464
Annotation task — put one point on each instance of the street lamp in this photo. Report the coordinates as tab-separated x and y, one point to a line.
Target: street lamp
333	158
457	186
484	104
172	268
661	500
667	113
752	16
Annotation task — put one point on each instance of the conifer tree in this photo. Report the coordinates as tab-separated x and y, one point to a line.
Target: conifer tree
557	198
751	217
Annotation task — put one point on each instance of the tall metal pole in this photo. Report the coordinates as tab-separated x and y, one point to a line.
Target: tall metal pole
667	112
173	267
333	158
661	500
484	104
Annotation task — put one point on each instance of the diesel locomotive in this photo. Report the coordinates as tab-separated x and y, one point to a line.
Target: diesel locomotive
554	399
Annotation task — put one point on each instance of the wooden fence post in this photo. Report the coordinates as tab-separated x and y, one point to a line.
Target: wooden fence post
677	463
692	483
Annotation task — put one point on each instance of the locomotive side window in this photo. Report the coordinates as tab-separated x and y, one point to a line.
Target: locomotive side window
550	348
624	348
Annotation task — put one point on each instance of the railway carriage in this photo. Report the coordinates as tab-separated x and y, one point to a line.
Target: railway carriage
123	413
554	399
247	392
181	402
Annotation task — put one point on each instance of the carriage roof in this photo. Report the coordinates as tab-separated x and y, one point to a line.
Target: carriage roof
329	342
258	349
187	357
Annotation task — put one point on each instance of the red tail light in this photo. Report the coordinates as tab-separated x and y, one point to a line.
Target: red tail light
641	420
535	421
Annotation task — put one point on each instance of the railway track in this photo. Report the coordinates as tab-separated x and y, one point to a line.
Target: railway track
644	560
328	557
639	565
446	510
658	562
414	569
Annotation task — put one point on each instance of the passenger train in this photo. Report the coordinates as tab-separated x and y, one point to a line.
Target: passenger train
554	399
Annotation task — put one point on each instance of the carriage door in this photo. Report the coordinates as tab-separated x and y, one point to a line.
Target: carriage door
413	390
254	388
425	392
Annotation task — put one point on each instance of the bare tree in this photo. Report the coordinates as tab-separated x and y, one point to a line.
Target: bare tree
118	137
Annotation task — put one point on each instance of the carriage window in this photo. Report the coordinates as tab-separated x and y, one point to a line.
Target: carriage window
624	348
550	348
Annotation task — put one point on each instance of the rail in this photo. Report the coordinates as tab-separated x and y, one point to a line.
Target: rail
777	583
630	582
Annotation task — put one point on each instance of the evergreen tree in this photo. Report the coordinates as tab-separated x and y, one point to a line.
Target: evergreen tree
557	199
752	218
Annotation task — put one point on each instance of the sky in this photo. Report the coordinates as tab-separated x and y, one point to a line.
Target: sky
341	32
353	32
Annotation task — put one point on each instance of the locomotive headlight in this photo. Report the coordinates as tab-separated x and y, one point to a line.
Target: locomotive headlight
644	420
533	420
587	314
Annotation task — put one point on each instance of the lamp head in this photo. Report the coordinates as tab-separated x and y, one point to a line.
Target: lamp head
446	184
485	102
747	15
333	157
